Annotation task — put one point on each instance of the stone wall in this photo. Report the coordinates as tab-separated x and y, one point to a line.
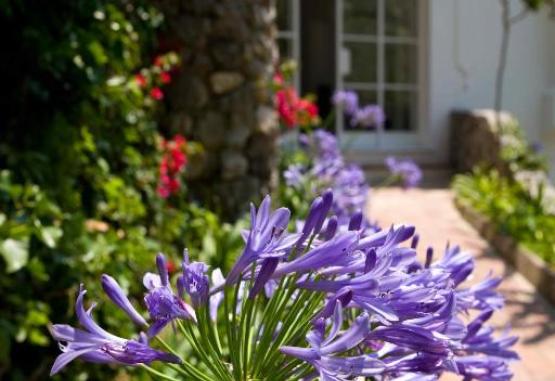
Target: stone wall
221	98
477	141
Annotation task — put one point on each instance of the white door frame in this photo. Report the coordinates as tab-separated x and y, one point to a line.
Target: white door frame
369	147
294	36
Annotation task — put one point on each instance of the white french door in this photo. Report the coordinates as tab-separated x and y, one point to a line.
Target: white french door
380	53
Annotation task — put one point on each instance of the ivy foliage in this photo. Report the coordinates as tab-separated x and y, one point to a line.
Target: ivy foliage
79	166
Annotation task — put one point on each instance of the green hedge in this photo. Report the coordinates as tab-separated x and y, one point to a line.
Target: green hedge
79	167
514	211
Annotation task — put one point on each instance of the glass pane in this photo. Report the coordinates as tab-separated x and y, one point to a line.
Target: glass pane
285	49
363	62
401	110
284	15
401	63
360	16
365	97
401	18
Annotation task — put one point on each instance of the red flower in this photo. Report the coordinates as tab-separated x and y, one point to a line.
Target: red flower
172	164
312	110
140	79
156	93
165	77
286	100
293	110
158	61
170	266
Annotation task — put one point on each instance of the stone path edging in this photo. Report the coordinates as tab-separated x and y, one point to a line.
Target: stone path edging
529	264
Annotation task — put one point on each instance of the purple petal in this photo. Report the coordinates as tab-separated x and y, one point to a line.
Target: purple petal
65	358
162	270
86	320
350	338
116	294
267	269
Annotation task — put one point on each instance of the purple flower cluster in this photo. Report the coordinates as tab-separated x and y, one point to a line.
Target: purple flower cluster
409	317
406	171
347	100
329	170
365	304
94	344
369	116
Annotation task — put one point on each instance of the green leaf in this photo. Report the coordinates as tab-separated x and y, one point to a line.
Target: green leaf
50	235
97	51
209	245
5	344
15	253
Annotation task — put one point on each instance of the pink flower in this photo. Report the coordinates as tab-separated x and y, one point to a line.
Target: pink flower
156	93
165	77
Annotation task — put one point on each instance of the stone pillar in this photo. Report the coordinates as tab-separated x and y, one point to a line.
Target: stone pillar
221	97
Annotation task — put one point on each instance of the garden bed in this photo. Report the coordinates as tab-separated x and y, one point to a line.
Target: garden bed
529	264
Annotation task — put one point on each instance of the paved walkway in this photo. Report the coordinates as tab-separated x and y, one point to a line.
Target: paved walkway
437	220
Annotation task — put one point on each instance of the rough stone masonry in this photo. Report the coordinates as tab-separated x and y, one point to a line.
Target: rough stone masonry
221	96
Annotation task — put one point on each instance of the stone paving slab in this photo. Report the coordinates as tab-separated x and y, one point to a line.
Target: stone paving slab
437	220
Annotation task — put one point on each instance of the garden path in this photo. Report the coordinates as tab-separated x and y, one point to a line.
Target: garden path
437	220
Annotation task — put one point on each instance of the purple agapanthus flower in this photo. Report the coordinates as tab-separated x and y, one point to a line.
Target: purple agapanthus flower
370	116
116	294
326	145
351	190
347	100
405	170
218	281
329	170
293	175
94	344
323	351
194	281
267	238
163	304
366	305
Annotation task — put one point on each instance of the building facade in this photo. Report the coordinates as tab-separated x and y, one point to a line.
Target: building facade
420	60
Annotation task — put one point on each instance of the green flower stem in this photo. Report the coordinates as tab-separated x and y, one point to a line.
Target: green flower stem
213	331
390	180
186	368
270	345
157	373
294	371
234	341
268	313
189	334
295	327
329	119
208	342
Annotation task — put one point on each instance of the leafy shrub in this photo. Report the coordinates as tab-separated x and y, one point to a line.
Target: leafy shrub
511	208
517	153
80	164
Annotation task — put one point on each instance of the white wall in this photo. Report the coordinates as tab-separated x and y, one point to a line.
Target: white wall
475	40
549	132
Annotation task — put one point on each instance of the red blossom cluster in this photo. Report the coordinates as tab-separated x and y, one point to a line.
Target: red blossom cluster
151	79
292	109
173	163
